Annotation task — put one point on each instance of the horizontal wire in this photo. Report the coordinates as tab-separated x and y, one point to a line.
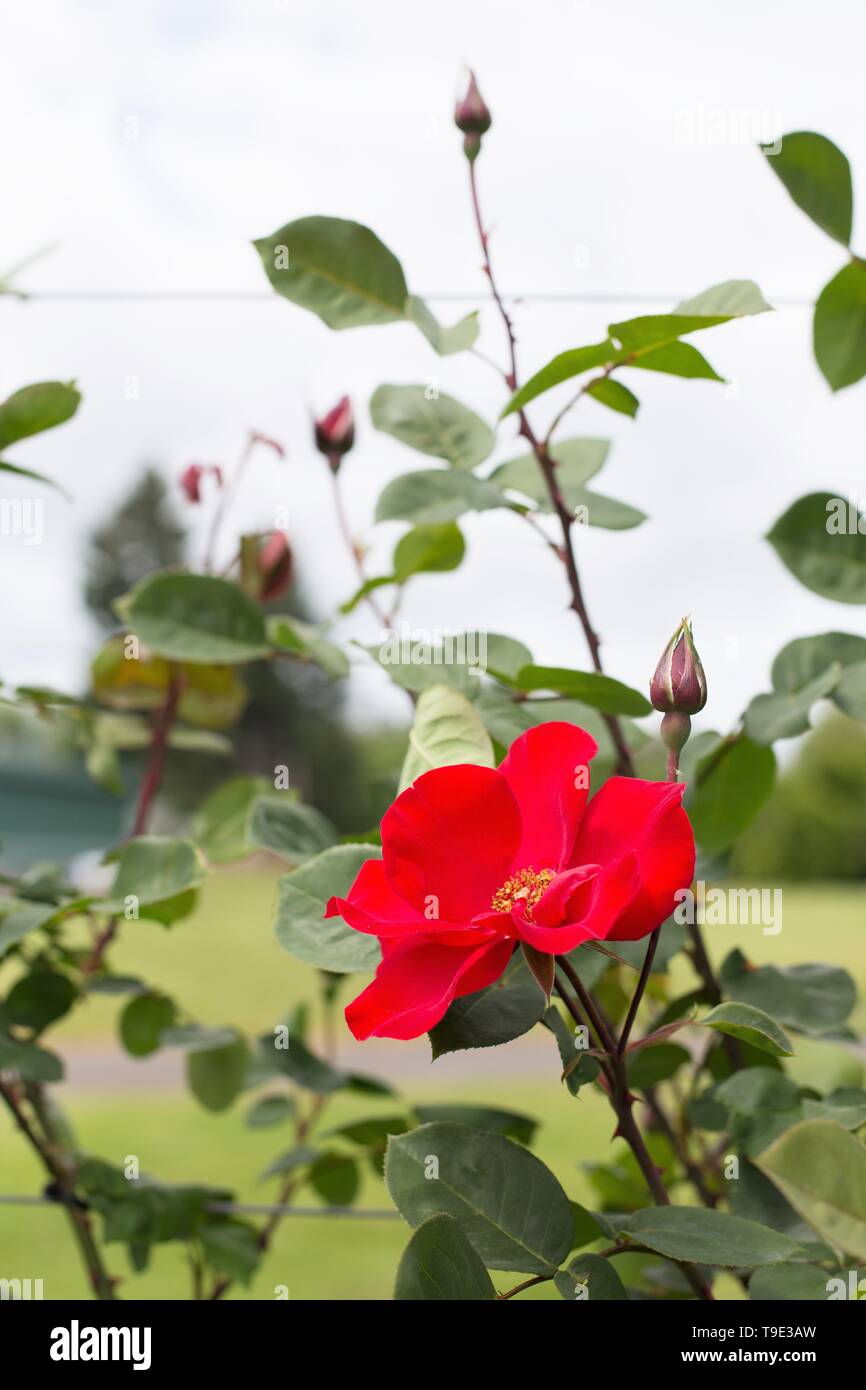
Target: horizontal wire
235	1208
441	297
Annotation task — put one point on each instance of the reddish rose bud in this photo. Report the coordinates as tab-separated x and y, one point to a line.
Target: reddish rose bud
472	116
335	432
679	684
274	565
274	444
191	478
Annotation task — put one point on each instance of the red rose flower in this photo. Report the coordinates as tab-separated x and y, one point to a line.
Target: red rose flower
475	860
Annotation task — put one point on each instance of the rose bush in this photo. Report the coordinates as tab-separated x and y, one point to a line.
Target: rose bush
497	895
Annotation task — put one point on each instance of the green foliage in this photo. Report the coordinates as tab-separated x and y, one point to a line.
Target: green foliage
507	1204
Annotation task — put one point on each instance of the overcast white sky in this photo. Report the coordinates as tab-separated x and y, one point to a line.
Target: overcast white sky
152	142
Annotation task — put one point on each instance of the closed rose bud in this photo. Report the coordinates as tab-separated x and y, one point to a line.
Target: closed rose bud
472	115
679	684
191	479
335	432
266	565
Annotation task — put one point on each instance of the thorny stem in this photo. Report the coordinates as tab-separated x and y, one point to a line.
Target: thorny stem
351	544
64	1184
637	997
150	785
548	469
622	1102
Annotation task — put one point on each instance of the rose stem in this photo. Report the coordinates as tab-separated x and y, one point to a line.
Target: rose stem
548	469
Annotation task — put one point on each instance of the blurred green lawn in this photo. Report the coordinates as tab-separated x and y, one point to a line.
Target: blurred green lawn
223	966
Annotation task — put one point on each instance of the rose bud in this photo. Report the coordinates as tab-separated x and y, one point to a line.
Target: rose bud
335	432
679	683
267	565
472	116
191	478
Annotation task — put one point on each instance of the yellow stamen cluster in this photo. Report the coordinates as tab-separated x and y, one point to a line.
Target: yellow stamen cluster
526	886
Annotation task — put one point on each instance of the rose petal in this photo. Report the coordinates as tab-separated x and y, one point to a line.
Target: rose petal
648	818
449	840
417	981
547	770
591	906
372	906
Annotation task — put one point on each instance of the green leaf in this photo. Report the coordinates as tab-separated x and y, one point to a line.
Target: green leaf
419	665
221	824
491	1016
372	1131
751	1025
195	617
302	897
32	1063
305	641
338	269
839	329
217	1077
816	540
288	827
731	298
505	1122
761	1104
578	1068
846	1107
818	177
18	917
786	715
428	549
652	1065
143	1021
729	789
269	1112
335	1178
850	692
39	999
231	1247
437	425
821	1169
592	688
807	658
594	509
506	656
781	1283
592	1278
812	998
614	395
586	1228
708	1237
577	460
440	1265
458	338
36	408
432	496
564	367
508	1204
676	359
447	730
153	870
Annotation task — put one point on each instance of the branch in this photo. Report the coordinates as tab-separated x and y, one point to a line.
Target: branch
548	469
64	1185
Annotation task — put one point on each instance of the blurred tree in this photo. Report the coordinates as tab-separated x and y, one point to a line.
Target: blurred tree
142	535
814	824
